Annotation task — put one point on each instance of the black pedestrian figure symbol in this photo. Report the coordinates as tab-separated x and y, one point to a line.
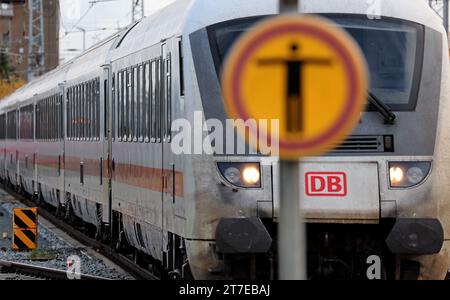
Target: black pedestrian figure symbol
294	86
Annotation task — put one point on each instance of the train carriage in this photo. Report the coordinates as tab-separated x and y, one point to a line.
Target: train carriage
214	214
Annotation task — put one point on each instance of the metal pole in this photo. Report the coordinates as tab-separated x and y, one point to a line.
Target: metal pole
30	41
289	6
291	252
446	16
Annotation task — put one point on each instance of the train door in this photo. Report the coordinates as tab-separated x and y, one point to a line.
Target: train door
105	160
168	159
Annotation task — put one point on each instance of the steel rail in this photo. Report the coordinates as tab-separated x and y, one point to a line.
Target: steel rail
41	272
122	261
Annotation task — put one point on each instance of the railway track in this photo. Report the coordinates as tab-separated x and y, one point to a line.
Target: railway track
122	261
40	272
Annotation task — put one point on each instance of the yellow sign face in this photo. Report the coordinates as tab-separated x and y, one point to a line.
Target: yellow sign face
303	71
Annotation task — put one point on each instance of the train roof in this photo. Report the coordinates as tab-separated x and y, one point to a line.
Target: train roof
183	17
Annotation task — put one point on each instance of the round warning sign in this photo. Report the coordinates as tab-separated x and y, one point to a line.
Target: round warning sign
303	71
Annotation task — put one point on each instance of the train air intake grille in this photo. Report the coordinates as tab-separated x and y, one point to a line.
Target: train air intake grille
361	144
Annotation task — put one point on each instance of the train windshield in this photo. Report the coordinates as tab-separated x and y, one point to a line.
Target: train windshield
393	49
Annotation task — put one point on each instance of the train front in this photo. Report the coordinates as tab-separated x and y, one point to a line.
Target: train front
374	200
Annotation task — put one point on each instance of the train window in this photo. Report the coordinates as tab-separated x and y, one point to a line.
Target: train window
59	121
119	105
141	106
42	104
41	120
89	112
72	100
92	112
153	103
105	108
50	117
97	97
68	112
129	104
2	127
113	107
159	103
72	113
54	118
68	99
168	98
45	111
181	66
87	99
47	118
87	117
83	112
44	119
78	111
86	111
60	116
38	122
135	105
56	121
75	112
90	121
125	107
92	107
146	109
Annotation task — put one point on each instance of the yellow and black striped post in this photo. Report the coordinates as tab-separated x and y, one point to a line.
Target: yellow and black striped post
25	221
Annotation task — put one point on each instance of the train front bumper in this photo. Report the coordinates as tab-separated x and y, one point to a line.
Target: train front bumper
416	237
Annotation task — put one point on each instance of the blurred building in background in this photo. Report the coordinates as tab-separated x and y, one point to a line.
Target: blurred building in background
14	36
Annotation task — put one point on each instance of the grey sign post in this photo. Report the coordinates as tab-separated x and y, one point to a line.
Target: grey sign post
291	232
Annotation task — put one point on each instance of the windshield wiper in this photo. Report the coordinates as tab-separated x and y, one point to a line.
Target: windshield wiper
383	109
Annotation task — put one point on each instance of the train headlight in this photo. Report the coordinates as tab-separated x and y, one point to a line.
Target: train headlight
251	175
397	175
408	174
242	175
233	175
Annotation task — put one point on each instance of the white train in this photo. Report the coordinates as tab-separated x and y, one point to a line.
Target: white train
92	139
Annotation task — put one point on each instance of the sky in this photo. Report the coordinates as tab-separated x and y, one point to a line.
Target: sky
99	18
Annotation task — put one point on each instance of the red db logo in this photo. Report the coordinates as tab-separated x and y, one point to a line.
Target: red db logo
326	184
